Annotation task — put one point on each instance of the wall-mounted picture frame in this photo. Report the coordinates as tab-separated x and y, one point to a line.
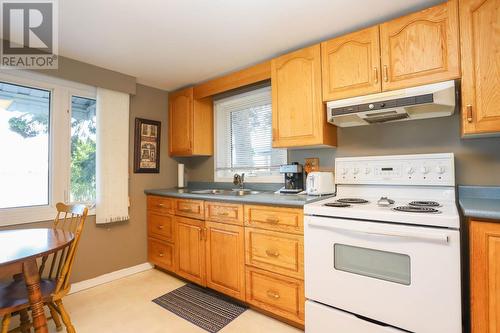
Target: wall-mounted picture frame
147	146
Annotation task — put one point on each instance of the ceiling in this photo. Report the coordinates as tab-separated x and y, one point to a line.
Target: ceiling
173	43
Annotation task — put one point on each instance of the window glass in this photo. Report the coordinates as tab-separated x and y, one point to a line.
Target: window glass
24	146
83	149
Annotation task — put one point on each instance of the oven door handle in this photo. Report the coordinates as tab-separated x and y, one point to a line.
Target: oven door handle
441	238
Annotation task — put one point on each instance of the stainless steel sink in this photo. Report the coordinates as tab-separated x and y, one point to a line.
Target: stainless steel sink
235	192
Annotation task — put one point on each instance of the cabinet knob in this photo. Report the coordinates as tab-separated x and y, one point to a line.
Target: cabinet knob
160	227
469	113
273	294
161	254
160	205
272	253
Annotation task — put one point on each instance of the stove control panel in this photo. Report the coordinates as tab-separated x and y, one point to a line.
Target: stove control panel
422	169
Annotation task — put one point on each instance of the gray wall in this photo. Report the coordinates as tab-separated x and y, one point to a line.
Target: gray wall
477	160
108	248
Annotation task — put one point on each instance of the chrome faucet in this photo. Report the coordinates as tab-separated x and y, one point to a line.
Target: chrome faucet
239	180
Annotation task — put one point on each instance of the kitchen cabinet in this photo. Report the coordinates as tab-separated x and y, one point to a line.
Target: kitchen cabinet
190	245
299	115
485	276
190	124
351	65
421	48
480	40
225	248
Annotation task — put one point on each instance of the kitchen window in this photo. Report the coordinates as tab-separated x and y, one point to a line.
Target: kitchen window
48	145
243	131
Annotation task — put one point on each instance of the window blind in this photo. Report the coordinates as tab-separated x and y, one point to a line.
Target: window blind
244	136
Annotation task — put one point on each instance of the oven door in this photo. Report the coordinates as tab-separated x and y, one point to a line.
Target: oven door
404	276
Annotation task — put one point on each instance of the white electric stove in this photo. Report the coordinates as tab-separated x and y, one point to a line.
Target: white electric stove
383	255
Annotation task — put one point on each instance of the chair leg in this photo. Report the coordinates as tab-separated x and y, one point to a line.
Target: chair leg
25	325
55	316
65	317
5	323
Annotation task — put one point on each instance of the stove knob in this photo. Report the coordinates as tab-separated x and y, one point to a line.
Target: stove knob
440	169
410	170
424	170
367	171
355	171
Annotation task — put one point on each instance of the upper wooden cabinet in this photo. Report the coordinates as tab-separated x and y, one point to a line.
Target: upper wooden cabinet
351	65
190	124
421	48
480	37
298	110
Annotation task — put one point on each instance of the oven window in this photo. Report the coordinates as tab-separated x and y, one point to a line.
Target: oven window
388	266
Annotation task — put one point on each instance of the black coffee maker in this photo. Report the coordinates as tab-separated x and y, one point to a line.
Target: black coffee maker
294	178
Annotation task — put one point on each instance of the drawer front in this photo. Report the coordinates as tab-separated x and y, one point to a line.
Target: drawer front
224	212
275	218
190	208
275	251
161	254
161	205
278	294
161	226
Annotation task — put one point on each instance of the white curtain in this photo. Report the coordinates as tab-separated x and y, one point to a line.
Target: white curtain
112	156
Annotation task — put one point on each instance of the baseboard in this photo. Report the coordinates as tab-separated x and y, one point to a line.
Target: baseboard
108	277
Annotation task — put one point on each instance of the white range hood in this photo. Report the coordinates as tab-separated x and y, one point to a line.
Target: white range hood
428	101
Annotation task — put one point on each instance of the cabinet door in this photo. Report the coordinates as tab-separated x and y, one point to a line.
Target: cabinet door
351	65
181	122
421	48
480	37
226	259
485	276
298	110
190	245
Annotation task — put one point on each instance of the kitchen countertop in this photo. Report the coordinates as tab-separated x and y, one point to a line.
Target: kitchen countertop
262	198
480	201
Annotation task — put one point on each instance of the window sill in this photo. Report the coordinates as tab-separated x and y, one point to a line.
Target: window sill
24	215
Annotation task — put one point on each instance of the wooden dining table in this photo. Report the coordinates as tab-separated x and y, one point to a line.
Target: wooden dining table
19	250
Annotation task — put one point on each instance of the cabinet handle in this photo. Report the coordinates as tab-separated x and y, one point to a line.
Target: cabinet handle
469	113
386	73
272	253
273	294
161	254
186	210
375	72
223	213
160	227
160	205
272	220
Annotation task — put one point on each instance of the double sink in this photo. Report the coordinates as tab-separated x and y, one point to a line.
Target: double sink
235	192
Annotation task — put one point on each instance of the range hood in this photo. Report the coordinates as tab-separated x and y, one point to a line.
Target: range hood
428	101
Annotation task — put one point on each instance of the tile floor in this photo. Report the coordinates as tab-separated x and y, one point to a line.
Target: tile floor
124	306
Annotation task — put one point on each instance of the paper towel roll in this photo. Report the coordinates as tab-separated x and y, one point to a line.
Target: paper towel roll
180	175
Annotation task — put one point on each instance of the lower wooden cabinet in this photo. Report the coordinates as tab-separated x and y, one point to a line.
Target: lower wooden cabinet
485	276
225	248
276	293
161	253
190	244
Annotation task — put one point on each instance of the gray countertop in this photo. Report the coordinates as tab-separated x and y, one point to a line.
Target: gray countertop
480	201
263	198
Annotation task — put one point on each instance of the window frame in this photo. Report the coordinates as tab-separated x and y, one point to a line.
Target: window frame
275	178
59	142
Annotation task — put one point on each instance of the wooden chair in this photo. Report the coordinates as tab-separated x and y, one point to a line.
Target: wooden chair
55	271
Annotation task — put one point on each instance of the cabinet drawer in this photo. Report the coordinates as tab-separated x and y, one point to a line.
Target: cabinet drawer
275	251
161	226
224	212
278	294
161	254
190	208
160	204
275	218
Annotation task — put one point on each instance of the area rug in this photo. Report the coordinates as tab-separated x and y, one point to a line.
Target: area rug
205	308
